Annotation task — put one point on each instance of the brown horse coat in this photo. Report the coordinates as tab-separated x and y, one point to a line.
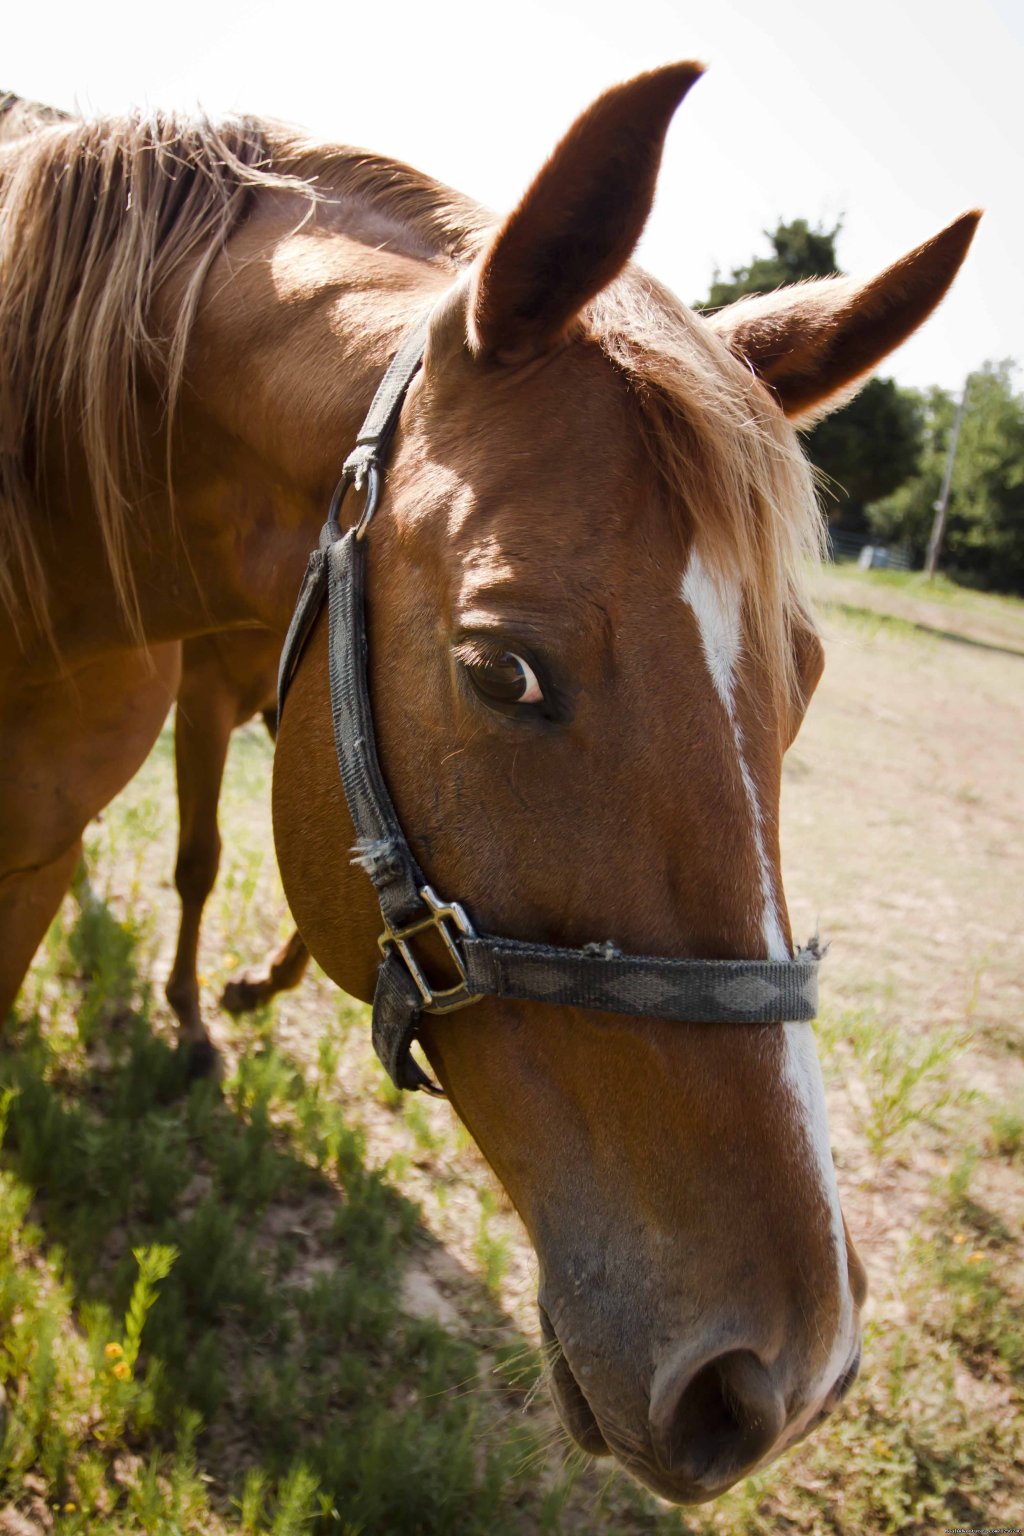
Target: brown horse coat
589	481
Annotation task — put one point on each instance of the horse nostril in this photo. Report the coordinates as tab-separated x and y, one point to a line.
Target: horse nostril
718	1421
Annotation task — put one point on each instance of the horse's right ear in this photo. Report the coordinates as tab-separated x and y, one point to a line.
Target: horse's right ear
579	222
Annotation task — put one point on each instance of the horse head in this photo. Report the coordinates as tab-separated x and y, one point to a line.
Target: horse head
589	652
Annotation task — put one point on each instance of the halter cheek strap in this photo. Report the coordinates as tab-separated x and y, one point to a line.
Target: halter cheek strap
598	976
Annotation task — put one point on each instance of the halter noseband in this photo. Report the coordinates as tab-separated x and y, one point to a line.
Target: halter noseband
598	976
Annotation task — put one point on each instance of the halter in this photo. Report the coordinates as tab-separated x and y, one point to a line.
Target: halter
599	976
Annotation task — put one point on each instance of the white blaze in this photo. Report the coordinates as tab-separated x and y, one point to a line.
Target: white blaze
717	606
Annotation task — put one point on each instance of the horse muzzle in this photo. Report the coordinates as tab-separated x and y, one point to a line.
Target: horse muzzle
712	1417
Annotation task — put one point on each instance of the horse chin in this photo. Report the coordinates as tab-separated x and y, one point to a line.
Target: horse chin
573	1409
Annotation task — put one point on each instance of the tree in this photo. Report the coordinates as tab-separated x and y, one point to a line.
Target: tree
798	251
985	530
869	448
873	445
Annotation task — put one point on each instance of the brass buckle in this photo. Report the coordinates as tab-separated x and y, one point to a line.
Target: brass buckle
446	999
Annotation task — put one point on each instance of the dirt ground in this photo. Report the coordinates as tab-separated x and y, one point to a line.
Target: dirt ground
903	843
903	819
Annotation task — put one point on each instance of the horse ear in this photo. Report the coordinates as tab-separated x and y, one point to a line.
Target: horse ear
813	341
578	223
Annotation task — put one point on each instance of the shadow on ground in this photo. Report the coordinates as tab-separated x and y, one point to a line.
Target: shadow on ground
279	1323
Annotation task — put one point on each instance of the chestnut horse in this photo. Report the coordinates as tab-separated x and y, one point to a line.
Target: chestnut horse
224	680
589	652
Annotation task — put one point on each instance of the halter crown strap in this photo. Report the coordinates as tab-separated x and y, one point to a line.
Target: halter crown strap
481	965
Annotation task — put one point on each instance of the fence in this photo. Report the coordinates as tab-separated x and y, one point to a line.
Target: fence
844	545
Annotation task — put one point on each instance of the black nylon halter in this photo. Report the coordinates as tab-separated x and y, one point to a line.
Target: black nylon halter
598	976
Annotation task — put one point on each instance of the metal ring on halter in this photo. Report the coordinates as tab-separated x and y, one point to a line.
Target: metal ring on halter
366	472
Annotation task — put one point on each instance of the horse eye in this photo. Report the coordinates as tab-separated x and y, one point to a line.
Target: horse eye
504	679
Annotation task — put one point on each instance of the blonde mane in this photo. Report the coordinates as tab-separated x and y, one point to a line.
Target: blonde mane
726	453
98	215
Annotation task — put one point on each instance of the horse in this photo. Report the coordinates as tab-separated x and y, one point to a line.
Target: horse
589	648
224	681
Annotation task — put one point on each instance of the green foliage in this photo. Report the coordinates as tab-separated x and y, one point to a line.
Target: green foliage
1006	1129
155	1265
975	1259
984	541
905	1078
870	447
346	1403
492	1250
798	252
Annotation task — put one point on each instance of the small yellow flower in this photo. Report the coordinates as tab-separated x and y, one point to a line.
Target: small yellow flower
122	1370
960	1238
976	1257
202	979
70	1508
113	1351
230	961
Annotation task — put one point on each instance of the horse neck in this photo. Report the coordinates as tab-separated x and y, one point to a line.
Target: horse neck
289	346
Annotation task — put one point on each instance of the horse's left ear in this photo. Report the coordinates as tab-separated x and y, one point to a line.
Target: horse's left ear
579	221
812	342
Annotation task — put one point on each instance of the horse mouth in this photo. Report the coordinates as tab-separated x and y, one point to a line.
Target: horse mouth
573	1409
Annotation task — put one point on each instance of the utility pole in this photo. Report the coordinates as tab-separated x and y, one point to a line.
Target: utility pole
941	506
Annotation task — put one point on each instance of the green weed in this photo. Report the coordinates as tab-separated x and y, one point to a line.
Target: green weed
492	1251
427	1136
1006	1132
905	1078
974	1257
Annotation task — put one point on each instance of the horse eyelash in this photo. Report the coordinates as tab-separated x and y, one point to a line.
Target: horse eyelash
480	653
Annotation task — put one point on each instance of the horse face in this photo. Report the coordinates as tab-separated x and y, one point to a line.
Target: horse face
580	748
582	731
676	1180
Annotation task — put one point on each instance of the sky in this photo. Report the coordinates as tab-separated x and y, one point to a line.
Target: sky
895	115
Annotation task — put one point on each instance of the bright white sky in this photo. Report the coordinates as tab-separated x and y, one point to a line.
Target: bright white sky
897	114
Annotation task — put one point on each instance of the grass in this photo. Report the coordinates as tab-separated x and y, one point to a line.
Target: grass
1006	1131
908	603
491	1250
871	624
159	1302
202	1326
940	589
898	1080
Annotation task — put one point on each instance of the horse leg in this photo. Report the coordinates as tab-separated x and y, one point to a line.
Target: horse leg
205	718
257	984
29	900
70	744
281	970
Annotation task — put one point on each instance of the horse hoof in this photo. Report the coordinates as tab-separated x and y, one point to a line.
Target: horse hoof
201	1059
242	994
